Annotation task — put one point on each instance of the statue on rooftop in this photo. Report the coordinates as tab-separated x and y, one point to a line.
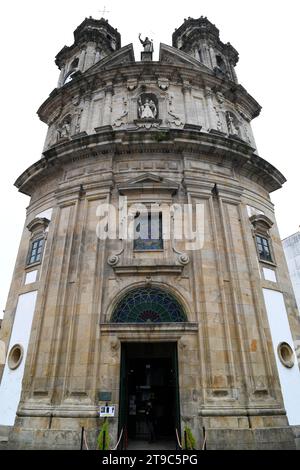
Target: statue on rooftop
147	43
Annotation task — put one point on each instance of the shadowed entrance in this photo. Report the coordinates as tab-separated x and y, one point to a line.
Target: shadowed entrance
149	374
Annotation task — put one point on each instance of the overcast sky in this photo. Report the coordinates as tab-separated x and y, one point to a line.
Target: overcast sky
265	33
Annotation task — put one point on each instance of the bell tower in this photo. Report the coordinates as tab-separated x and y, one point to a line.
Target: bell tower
201	39
93	40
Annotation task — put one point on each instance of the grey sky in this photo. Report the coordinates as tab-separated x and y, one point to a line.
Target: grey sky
265	33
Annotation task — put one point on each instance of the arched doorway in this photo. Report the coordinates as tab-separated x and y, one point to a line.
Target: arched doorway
149	369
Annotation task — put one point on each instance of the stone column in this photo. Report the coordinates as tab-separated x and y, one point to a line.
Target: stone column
61	77
98	55
82	59
212	57
84	120
234	76
90	56
109	91
212	118
206	56
188	103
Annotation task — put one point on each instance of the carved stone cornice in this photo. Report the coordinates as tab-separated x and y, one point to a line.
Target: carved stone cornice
109	89
179	141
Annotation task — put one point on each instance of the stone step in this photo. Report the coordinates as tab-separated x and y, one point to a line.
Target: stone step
296	430
4	432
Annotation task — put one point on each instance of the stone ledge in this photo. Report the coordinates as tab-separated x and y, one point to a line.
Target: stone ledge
250	439
296	431
242	412
150	269
217	439
149	327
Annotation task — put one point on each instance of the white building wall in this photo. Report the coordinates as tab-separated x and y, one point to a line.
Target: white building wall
280	332
11	384
291	247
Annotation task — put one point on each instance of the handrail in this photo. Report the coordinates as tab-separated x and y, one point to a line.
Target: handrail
204	441
86	444
85	440
119	440
178	441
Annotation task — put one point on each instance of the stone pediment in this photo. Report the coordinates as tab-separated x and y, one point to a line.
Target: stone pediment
148	181
38	224
174	56
261	222
125	55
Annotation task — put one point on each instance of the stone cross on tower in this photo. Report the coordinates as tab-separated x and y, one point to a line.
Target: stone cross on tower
104	11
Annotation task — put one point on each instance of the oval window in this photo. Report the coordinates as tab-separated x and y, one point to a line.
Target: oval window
15	356
286	354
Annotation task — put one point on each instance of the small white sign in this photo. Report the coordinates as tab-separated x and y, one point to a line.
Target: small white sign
107	411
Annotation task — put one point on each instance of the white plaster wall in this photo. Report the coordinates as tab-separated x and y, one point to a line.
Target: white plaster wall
47	214
280	331
269	275
11	384
291	247
30	277
253	211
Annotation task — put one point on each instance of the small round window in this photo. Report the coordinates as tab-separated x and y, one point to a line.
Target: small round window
286	354
15	356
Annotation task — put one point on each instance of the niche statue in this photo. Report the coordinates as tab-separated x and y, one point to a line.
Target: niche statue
147	110
147	106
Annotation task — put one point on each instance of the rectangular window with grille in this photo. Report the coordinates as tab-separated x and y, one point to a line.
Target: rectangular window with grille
35	253
263	247
148	231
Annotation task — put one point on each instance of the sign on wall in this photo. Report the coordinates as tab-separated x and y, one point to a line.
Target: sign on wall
106	411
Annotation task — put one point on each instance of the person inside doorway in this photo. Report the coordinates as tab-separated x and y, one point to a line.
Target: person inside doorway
150	421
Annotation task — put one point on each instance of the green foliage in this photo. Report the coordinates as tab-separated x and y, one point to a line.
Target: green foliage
103	440
189	442
159	136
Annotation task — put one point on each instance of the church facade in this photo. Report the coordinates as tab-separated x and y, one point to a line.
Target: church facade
150	266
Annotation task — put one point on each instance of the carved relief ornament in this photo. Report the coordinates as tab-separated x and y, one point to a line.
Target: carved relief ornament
163	83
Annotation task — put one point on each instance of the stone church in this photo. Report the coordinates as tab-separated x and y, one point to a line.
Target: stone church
150	267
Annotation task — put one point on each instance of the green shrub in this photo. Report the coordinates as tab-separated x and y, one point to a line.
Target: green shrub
104	441
189	442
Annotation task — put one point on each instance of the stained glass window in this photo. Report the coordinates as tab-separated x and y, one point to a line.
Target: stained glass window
148	305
